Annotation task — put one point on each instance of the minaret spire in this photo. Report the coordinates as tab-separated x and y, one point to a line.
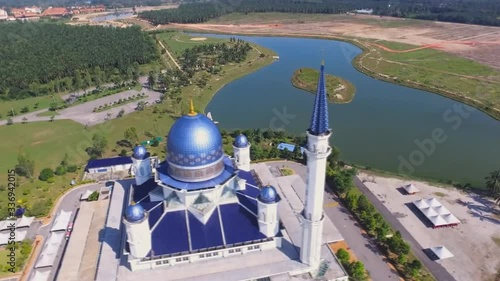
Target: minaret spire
191	112
319	120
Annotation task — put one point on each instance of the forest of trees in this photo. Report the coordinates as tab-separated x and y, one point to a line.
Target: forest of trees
43	58
484	12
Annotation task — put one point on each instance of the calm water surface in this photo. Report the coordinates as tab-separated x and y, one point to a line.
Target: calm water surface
380	128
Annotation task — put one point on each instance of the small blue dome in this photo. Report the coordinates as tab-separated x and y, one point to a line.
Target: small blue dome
140	152
194	140
240	141
268	194
134	213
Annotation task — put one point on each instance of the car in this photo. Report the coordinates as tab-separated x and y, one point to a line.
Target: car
68	234
70	226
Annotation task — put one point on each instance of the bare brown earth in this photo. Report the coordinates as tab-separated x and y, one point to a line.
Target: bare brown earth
480	43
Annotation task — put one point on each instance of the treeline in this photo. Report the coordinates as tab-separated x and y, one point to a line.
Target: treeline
42	58
485	12
65	3
187	13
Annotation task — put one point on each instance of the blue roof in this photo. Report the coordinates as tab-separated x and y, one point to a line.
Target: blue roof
250	191
205	236
248	176
289	147
143	190
171	235
239	224
249	203
165	178
319	120
155	215
106	162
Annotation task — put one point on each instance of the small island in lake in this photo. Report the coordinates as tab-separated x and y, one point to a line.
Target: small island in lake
339	90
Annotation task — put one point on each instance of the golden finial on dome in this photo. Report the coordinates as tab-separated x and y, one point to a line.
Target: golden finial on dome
132	203
323	62
191	108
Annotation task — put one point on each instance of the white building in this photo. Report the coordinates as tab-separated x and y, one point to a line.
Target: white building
3	15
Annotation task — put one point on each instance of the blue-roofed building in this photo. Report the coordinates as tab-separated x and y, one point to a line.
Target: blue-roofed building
198	202
109	165
201	206
289	147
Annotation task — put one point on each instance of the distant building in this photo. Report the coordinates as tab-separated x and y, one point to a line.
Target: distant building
26	13
109	165
364	11
88	9
55	12
289	147
3	15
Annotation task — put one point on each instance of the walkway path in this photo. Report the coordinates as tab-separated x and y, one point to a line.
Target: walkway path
436	269
361	245
171	57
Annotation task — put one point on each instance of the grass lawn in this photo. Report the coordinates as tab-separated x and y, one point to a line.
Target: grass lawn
437	71
287	171
177	42
16	105
338	89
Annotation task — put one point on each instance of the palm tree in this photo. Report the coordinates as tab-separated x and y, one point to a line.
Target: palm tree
493	182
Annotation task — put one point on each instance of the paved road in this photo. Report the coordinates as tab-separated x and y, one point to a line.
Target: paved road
364	249
69	202
83	114
436	269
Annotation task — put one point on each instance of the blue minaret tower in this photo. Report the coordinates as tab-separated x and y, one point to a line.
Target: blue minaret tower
317	151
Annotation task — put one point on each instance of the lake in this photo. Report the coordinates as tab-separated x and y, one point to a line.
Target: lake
386	126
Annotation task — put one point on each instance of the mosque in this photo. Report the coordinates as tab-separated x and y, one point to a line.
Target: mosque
200	204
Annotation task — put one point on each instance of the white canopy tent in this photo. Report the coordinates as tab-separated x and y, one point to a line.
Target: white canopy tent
24	221
435	212
411	188
20	235
441	252
86	195
62	220
40	275
49	252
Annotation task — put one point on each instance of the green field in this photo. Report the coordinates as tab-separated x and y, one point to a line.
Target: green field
48	142
307	79
286	18
436	71
177	42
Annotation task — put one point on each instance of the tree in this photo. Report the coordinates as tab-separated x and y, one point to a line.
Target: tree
151	79
357	270
131	135
412	268
140	106
46	174
25	165
99	144
25	109
120	113
52	118
60	170
94	196
10	121
25	120
493	182
343	256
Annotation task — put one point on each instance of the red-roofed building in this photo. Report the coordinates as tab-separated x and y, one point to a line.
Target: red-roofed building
55	12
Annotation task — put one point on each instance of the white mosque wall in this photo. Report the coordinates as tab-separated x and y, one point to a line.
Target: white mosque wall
138	237
268	218
242	157
138	264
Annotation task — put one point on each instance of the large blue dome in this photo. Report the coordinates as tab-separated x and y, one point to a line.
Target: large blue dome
134	213
268	194
193	141
240	141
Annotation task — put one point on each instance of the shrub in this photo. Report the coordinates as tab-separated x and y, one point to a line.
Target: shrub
45	174
51	180
71	168
60	170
